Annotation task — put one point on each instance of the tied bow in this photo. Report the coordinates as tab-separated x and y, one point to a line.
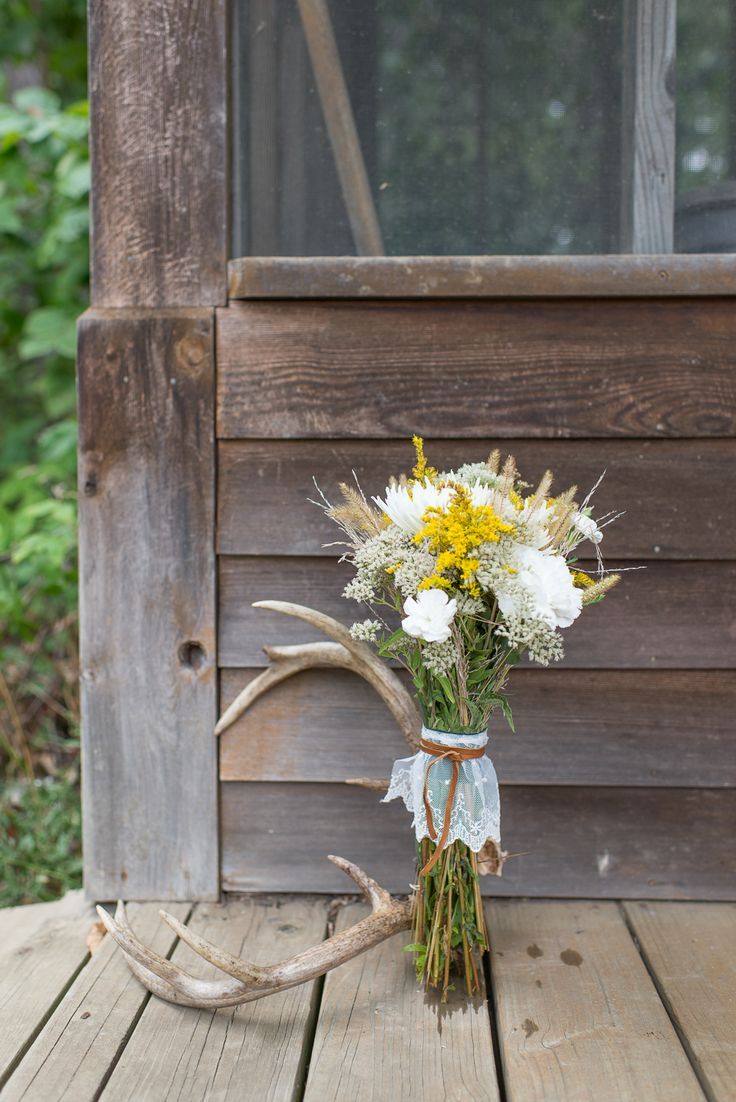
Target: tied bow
455	755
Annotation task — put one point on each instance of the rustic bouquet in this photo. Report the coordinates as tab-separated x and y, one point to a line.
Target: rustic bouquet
481	568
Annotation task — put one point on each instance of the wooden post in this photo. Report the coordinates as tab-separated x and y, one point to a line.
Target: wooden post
147	449
648	140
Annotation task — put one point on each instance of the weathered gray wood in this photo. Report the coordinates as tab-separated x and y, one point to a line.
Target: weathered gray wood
42	947
256	1051
79	1045
255	277
578	1016
158	146
378	1037
622	727
477	369
648	139
671	615
262	482
576	842
689	948
338	113
147	621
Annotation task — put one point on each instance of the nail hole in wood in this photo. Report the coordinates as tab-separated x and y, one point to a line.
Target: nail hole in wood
192	655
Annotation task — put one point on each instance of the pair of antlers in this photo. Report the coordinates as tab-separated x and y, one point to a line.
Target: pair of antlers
246	981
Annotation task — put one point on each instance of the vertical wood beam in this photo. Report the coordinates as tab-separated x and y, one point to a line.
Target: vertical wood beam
158	149
147	450
648	139
147	610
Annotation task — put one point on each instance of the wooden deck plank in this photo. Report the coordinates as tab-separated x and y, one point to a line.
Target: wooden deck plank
76	1050
378	1037
578	1015
255	1051
689	948
41	949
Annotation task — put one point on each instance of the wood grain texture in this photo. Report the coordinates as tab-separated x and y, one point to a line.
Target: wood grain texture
300	277
672	490
648	110
670	615
379	1038
604	842
42	947
255	1051
578	1016
477	369
158	148
79	1045
146	481
689	948
573	727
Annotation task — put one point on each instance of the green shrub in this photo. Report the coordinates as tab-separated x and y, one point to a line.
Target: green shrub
44	184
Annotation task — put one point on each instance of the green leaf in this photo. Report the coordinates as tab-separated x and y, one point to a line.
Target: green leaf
48	330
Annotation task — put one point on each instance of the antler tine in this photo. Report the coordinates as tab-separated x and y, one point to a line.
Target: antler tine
345	652
246	981
378	897
242	970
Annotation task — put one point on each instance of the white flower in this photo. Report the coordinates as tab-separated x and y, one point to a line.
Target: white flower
545	579
406	505
587	527
429	615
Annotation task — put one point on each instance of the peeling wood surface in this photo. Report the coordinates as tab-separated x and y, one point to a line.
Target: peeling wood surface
259	277
379	1038
689	947
73	1054
42	947
260	482
673	615
573	727
636	843
583	1003
256	1051
578	1015
147	613
622	368
158	149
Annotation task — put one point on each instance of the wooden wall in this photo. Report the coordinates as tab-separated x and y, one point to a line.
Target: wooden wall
621	778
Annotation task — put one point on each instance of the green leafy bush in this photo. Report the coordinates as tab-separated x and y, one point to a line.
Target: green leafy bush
44	224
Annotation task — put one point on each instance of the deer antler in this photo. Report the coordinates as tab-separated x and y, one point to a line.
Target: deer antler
246	981
344	652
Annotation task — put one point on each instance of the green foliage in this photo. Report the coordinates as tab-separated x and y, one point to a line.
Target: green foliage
40	850
44	223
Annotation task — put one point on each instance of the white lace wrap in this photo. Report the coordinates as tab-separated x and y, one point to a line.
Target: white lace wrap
476	811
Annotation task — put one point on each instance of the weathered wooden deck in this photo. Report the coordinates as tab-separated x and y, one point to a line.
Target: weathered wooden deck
586	1000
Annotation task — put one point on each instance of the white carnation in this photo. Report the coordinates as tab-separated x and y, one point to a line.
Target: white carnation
406	505
429	615
546	581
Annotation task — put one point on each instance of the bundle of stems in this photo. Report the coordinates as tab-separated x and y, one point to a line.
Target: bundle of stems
449	924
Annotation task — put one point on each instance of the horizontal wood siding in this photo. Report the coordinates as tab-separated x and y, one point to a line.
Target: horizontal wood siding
477	369
673	491
621	779
664	843
674	615
587	727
